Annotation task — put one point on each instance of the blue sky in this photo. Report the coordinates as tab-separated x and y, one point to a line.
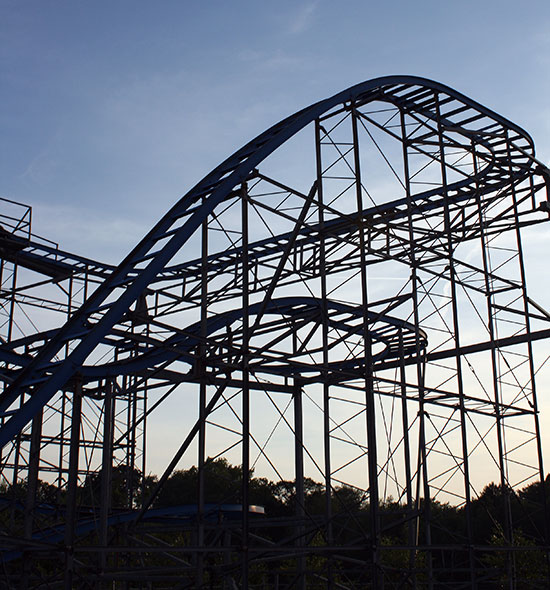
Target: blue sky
113	109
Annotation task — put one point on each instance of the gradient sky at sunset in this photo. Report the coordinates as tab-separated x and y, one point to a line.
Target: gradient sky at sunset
113	109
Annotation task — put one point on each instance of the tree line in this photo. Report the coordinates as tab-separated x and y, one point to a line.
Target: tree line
499	518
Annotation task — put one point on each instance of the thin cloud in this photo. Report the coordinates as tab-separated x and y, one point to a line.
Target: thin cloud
44	166
303	19
272	61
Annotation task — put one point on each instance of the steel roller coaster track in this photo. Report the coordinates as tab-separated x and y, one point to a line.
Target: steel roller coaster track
342	300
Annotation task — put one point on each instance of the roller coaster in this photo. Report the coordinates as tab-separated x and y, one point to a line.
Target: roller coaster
343	300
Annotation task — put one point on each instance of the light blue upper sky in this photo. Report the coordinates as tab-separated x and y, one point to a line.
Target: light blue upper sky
112	109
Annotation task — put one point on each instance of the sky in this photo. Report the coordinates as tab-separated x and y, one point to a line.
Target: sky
113	109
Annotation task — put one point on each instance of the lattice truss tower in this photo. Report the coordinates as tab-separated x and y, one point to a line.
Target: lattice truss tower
343	299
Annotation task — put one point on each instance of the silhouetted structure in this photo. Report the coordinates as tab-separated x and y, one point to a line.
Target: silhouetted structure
343	300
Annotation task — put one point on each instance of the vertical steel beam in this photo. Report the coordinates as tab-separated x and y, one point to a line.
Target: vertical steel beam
299	481
32	488
106	472
17	439
407	464
201	373
370	407
11	317
2	268
72	484
325	344
245	388
133	477
63	402
458	358
491	321
60	480
422	471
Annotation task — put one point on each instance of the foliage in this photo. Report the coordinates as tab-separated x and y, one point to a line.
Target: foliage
293	519
526	564
128	487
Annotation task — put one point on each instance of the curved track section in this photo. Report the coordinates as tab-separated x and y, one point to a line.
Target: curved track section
508	150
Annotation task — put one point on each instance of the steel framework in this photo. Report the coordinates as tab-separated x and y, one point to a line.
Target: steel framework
344	299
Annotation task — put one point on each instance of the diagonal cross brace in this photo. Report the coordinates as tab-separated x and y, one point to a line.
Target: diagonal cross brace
284	257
